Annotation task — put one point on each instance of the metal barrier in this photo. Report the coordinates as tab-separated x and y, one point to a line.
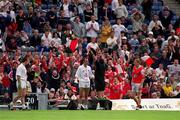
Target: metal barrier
36	101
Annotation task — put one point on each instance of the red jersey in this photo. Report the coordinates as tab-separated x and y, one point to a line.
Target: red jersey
126	87
137	75
6	82
107	92
115	91
110	75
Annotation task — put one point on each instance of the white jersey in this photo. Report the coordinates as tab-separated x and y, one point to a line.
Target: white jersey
22	72
84	73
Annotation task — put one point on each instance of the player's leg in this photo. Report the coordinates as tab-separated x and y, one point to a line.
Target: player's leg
133	95
81	96
139	96
23	98
18	96
87	90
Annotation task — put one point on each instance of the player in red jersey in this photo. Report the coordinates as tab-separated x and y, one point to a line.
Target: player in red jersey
137	82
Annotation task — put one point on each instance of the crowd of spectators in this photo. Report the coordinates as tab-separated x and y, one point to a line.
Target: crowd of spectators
58	33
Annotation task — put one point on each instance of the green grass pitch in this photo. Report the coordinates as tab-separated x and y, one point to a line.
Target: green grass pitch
89	115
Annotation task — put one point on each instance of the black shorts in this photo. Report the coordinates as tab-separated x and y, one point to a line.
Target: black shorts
100	85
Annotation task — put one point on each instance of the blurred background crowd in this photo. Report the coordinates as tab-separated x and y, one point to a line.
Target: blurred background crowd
56	34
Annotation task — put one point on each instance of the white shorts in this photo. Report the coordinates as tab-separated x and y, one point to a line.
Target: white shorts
83	84
23	84
135	87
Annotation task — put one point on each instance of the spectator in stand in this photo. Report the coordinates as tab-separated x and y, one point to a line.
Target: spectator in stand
120	10
46	40
35	39
176	92
42	21
112	43
134	43
20	18
168	89
27	27
118	28
67	8
165	16
105	32
52	17
137	19
160	70
115	88
147	7
174	69
78	28
6	82
106	11
88	12
114	4
155	21
92	28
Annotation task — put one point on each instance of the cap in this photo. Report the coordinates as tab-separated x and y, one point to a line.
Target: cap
150	33
178	85
52	90
125	38
173	31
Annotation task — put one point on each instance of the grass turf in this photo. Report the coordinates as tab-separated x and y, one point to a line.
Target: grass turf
89	115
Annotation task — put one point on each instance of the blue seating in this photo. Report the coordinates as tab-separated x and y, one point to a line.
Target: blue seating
44	6
174	19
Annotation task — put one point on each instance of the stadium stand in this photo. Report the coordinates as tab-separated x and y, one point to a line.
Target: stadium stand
56	36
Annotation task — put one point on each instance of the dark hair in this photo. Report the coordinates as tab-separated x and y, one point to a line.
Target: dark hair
25	58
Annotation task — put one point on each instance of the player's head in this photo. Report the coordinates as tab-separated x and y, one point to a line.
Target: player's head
25	60
137	62
85	60
176	61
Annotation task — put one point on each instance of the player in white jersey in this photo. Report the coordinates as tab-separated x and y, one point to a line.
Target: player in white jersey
21	77
84	74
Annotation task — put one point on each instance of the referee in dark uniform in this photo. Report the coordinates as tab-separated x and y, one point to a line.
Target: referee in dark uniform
100	68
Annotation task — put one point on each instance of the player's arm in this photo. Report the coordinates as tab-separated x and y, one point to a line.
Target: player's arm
91	75
18	78
78	74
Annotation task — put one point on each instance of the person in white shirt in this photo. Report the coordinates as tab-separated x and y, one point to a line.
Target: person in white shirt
92	45
84	74
114	4
2	45
120	10
159	71
65	7
92	28
111	41
174	69
155	22
118	28
21	77
125	53
46	39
